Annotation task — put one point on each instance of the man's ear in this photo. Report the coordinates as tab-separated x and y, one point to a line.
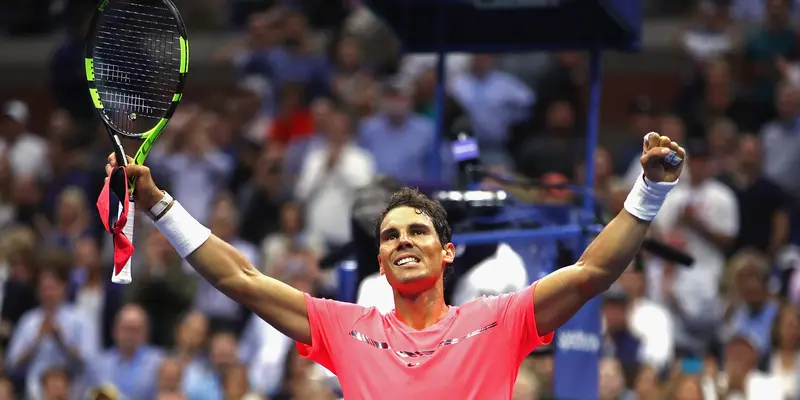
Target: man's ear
449	253
380	265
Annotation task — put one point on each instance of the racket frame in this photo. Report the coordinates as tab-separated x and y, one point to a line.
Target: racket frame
148	138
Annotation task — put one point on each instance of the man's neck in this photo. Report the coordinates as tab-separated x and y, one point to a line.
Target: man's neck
421	310
127	352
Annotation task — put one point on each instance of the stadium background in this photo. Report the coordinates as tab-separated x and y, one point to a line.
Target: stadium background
276	88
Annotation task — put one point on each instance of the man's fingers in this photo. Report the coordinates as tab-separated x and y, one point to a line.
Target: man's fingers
652	140
681	153
655	155
664	141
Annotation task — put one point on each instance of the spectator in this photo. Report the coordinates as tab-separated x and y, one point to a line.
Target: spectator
26	152
396	126
740	377
195	168
93	293
776	37
56	384
328	181
763	206
298	380
781	142
162	287
706	214
236	385
131	365
294	121
18	289
204	381
649	320
191	337
785	360
711	37
755	310
170	375
263	348
620	344
260	199
51	335
222	311
495	101
294	235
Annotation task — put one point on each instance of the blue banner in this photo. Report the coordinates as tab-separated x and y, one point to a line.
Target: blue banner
577	354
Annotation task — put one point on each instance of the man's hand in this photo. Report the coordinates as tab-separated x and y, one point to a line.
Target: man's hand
147	193
662	160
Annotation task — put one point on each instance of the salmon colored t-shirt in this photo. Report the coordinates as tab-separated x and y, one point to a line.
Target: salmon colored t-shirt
474	352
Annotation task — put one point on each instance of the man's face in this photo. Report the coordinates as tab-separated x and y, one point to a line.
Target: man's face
410	254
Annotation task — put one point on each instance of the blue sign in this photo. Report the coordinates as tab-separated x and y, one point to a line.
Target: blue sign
577	354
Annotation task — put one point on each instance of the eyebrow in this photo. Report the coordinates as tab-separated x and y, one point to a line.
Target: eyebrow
415	225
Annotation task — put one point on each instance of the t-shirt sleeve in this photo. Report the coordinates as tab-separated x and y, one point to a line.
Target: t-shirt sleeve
329	321
516	314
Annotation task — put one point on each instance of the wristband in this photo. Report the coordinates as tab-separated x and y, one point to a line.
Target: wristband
184	232
646	198
158	210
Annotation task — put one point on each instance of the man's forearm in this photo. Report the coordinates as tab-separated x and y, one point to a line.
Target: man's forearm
223	266
612	251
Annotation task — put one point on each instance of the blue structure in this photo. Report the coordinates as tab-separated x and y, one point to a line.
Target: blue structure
496	26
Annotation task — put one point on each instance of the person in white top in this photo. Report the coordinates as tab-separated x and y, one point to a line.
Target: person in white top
26	152
706	214
785	360
739	378
329	178
651	321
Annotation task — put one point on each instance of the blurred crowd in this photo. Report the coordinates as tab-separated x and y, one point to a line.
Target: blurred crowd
324	105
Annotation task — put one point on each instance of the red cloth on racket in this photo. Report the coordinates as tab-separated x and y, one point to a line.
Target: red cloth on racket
116	190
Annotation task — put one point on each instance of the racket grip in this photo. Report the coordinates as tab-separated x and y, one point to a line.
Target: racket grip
124	277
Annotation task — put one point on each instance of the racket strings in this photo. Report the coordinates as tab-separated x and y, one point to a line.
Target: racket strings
137	59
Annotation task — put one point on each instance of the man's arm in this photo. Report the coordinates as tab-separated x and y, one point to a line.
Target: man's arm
561	294
279	304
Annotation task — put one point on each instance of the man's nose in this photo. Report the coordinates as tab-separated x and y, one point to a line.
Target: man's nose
403	241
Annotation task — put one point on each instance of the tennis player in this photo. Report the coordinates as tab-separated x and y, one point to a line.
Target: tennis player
423	348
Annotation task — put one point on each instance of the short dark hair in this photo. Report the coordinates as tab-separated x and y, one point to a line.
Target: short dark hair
410	197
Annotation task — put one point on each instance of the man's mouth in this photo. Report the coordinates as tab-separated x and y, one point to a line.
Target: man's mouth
406	261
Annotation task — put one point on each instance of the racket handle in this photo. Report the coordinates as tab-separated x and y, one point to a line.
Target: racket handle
124	277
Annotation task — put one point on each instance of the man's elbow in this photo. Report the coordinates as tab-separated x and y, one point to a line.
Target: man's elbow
594	279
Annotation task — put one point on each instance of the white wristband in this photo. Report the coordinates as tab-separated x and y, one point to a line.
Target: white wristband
646	198
184	232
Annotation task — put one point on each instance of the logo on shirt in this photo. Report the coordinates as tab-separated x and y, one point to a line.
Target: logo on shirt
418	353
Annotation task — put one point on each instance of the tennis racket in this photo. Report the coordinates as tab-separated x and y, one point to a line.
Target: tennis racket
137	58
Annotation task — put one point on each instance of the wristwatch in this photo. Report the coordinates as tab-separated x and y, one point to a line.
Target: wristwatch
158	210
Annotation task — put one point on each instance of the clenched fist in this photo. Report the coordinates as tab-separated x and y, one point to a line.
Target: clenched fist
147	193
662	159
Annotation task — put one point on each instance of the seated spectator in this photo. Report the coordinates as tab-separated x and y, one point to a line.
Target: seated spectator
294	121
755	310
131	365
56	384
170	376
191	335
51	335
204	381
785	359
236	385
740	377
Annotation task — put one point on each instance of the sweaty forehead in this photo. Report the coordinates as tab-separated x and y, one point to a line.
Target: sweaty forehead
404	216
